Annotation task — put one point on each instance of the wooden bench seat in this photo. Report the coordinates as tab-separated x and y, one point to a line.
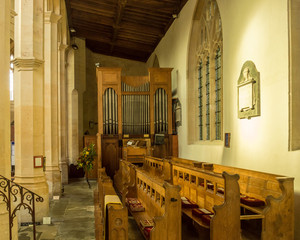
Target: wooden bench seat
202	187
196	220
276	191
112	213
199	186
162	204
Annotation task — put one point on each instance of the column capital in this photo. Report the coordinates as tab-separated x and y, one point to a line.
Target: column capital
27	64
51	17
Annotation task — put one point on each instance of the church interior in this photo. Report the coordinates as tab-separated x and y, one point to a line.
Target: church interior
169	113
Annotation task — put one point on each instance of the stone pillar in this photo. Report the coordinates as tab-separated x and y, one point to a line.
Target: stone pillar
29	101
63	161
72	145
72	97
4	108
51	86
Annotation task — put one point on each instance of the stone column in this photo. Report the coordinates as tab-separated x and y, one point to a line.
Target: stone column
4	108
29	101
63	161
51	86
72	107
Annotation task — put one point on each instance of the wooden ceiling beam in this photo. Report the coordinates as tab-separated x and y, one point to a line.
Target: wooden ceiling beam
94	10
98	37
92	18
153	11
147	15
141	34
166	5
132	55
141	27
150	40
119	16
125	28
134	17
94	26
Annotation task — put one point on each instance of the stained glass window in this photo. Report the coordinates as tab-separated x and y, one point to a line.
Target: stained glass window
218	93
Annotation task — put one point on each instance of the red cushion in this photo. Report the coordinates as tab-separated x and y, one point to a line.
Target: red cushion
206	218
199	212
252	202
147	231
132	201
137	207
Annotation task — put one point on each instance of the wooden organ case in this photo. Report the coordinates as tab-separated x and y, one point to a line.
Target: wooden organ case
133	106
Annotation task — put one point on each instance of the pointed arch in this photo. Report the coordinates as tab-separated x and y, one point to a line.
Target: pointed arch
205	74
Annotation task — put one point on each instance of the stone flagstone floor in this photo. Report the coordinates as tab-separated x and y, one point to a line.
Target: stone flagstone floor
72	215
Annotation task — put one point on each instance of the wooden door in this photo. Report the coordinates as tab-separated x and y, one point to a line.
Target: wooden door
110	154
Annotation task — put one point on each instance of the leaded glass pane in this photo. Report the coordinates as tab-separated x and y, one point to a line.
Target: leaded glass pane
218	94
207	85
200	97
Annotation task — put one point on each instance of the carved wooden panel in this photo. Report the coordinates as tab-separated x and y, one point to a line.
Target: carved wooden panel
110	154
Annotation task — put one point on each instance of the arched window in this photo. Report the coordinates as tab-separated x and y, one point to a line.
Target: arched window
205	74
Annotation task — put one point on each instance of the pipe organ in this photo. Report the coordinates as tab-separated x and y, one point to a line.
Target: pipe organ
134	106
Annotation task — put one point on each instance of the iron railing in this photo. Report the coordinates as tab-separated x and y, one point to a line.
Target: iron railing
15	196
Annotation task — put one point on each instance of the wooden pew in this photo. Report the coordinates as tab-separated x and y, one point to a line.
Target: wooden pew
113	215
204	188
124	179
275	190
189	180
162	204
158	167
278	193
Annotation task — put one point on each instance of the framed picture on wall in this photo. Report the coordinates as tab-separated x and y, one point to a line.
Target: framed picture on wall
227	140
38	161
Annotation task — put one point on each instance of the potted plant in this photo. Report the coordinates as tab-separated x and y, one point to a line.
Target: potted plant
86	160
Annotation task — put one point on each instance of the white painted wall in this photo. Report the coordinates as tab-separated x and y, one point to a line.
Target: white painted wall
252	30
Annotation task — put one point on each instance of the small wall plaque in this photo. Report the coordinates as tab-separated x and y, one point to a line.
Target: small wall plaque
227	140
248	91
38	161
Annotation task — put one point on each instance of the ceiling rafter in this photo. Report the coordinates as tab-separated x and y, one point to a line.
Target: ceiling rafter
124	28
119	16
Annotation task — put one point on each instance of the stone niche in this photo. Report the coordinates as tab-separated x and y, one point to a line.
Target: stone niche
248	87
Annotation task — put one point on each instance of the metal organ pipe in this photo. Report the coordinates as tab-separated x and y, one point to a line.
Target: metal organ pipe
135	109
110	112
161	111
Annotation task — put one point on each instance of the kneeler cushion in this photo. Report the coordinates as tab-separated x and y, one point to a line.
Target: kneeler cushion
198	212
137	207
146	223
204	214
252	202
186	203
132	201
206	218
147	231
